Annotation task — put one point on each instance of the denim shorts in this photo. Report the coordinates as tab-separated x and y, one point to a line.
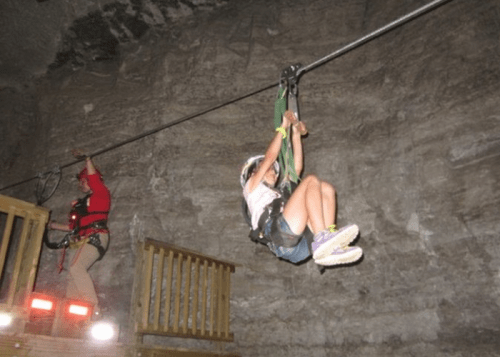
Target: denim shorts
294	254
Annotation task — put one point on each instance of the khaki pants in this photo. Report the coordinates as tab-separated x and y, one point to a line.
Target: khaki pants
80	285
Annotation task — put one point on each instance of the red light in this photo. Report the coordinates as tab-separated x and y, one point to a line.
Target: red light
42	311
42	304
78	310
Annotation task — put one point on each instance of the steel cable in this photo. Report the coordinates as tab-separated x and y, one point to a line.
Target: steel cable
374	34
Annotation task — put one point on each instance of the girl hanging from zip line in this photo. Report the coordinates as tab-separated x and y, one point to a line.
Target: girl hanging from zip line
283	224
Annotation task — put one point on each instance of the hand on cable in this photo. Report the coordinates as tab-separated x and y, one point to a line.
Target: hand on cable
295	122
285	121
300	127
78	154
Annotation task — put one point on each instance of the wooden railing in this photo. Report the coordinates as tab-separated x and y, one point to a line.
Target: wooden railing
21	226
181	293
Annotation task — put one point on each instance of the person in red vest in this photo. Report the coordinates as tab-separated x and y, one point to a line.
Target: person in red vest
88	223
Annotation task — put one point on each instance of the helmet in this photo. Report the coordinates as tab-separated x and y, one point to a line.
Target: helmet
250	166
84	174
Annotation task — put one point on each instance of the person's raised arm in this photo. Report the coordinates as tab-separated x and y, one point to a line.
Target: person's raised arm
298	129
90	166
298	154
271	155
77	153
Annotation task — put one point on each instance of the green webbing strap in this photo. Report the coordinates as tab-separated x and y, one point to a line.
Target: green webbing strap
279	110
287	164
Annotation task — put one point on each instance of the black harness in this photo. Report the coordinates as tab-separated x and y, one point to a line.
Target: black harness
271	211
79	211
271	214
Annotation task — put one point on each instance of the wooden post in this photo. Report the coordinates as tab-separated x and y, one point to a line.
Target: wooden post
159	283
227	290
168	290
6	238
146	297
187	290
195	297
19	258
220	294
204	298
213	297
177	309
36	247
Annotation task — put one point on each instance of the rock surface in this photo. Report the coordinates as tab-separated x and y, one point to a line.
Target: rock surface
406	127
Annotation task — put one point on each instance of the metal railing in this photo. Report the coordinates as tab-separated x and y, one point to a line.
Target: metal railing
21	226
181	293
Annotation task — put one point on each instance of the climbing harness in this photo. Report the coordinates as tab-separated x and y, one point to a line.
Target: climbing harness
72	239
402	20
275	236
79	211
94	240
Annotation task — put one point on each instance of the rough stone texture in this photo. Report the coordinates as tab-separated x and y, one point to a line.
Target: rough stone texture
79	32
406	128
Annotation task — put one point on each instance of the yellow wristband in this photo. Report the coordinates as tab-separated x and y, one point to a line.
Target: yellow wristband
282	131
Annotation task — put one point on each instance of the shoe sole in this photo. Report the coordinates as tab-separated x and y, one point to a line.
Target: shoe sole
350	256
341	240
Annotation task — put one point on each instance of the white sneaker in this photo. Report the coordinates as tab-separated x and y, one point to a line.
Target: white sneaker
326	242
341	256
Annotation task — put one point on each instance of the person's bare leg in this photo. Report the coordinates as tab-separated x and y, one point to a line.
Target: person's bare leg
305	206
329	203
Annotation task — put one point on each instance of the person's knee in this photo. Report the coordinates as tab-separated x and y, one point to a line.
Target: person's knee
311	180
328	190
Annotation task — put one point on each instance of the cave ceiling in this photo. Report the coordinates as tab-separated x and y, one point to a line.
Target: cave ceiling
40	36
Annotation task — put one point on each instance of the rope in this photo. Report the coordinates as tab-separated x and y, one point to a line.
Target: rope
402	20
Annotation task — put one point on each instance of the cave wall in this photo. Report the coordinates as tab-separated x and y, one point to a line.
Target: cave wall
405	127
44	34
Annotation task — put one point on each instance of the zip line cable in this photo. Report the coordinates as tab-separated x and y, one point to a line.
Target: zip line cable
402	20
153	131
173	123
